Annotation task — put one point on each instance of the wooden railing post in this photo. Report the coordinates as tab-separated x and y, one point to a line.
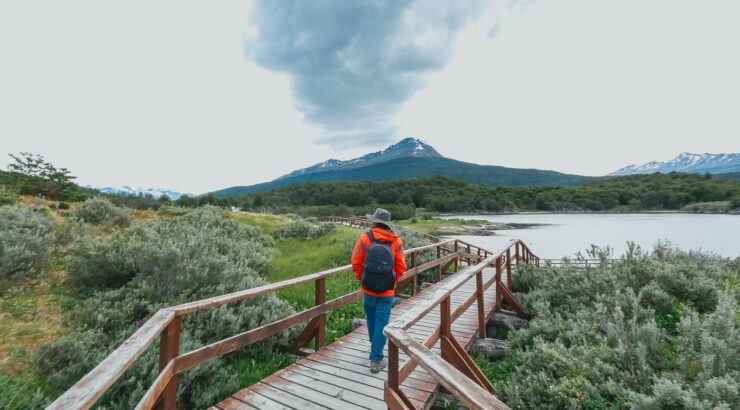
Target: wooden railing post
445	320
516	253
439	268
169	348
497	306
457	258
508	267
481	304
416	275
468	252
320	299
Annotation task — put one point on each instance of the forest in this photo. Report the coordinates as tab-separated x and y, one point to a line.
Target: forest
440	194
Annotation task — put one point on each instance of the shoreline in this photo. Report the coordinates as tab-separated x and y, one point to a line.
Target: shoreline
659	212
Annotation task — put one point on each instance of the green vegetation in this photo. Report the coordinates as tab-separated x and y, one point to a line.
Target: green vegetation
655	330
432	226
31	174
440	194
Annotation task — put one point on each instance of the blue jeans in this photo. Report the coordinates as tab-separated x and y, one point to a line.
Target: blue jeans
378	313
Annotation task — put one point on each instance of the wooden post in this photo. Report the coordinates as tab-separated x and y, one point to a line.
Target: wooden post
516	253
481	305
508	267
497	306
444	317
392	366
439	268
169	348
320	299
416	275
457	258
468	251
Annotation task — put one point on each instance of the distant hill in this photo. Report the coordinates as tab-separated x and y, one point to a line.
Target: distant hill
409	158
689	163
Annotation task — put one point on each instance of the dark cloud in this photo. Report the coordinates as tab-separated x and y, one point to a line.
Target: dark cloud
353	64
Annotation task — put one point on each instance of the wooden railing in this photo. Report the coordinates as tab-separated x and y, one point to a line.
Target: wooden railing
454	370
165	325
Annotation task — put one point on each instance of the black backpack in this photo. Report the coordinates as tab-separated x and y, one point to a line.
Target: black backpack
377	275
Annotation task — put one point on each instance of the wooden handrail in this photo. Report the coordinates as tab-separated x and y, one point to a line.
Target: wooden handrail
454	370
95	383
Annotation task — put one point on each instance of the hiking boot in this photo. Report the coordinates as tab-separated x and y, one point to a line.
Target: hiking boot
376	366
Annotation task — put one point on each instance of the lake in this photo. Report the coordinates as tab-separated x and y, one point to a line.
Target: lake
565	234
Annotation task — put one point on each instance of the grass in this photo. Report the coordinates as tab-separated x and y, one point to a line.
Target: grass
299	258
433	226
268	223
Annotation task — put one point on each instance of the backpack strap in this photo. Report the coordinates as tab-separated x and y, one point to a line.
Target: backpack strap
371	236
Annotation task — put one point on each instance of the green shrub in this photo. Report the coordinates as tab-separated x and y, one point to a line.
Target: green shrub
654	330
304	230
101	212
26	239
171	210
63	205
137	271
8	197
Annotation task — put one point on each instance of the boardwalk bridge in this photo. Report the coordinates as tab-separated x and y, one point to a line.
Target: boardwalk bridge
428	337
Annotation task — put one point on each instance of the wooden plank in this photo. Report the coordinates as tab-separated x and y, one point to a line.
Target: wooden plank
233	404
364	370
338	392
285	398
94	384
315	396
351	384
257	400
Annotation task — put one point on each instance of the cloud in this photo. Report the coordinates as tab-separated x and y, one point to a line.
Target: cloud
353	64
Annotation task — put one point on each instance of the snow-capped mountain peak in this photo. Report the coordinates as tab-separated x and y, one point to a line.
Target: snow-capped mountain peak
408	147
134	191
687	162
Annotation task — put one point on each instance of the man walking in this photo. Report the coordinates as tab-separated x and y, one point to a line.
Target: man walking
378	262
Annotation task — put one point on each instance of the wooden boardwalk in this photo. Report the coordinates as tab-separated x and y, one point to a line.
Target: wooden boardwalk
338	377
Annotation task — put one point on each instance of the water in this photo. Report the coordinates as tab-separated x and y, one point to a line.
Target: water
566	234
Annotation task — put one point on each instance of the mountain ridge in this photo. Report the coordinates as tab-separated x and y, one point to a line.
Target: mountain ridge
409	158
687	162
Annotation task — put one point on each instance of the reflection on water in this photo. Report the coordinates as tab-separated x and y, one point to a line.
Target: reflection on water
565	234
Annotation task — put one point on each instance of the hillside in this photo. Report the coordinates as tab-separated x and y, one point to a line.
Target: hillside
411	166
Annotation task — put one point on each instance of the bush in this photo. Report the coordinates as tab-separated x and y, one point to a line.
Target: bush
654	330
26	239
137	271
63	205
304	230
171	210
8	197
101	212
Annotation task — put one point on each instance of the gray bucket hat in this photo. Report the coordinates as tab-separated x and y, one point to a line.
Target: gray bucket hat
380	216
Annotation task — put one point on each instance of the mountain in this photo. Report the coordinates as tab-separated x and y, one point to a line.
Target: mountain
687	162
409	147
409	158
127	190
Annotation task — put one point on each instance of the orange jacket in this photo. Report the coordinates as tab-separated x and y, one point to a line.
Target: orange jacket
358	256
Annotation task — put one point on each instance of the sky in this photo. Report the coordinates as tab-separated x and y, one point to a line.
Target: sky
196	96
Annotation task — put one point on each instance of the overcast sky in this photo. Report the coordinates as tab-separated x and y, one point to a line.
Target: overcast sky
197	96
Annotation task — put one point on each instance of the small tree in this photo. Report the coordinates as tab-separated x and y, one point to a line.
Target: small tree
44	177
